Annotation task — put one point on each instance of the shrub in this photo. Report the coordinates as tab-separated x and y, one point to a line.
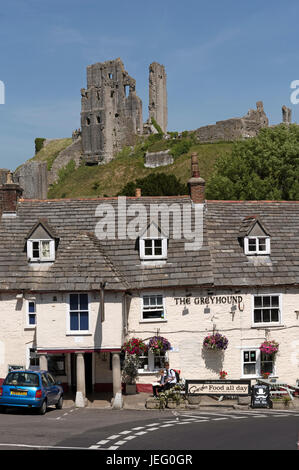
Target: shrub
39	143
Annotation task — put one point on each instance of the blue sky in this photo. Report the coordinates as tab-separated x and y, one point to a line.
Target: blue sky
220	58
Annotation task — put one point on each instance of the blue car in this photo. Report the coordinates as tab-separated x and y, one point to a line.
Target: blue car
31	389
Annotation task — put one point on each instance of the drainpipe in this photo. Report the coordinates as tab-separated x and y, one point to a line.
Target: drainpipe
102	300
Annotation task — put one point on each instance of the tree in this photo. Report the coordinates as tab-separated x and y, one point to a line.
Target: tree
155	184
265	167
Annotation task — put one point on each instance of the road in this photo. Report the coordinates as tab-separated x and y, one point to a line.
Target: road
130	430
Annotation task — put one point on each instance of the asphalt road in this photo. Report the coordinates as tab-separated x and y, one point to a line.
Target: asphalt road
150	430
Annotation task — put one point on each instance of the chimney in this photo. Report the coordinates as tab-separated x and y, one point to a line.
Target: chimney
196	184
10	193
138	192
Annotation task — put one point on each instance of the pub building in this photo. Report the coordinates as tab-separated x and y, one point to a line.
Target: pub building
70	296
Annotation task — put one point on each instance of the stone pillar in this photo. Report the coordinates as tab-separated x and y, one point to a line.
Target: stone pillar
43	362
116	377
80	389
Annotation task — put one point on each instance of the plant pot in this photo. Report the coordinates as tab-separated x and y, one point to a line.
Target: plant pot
131	389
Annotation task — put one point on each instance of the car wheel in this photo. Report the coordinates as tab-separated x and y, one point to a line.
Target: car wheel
2	409
43	408
59	404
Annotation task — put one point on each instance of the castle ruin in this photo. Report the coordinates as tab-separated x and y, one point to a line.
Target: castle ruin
158	95
111	112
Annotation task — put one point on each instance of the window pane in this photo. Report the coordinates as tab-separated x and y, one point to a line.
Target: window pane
159	300
262	244
145	301
153	300
45	249
266	301
74	321
74	302
32	319
249	369
147	314
84	321
274	314
148	243
35	249
252	244
266	315
83	302
31	307
148	251
257	316
275	301
257	301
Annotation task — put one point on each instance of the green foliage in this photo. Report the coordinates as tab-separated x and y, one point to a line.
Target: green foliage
183	146
156	126
130	368
262	168
39	142
171	395
155	184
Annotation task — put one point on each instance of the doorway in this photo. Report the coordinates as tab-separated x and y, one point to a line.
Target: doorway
88	373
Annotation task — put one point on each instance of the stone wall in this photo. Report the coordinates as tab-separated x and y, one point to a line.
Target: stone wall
33	179
111	112
158	95
236	128
155	159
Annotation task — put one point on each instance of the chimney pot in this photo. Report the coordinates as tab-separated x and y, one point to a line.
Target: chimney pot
138	192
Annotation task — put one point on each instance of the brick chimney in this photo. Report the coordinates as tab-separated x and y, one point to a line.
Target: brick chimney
138	192
196	184
10	193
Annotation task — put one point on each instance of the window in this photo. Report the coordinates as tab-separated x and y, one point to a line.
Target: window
79	317
257	245
31	313
41	250
153	308
151	362
153	248
249	363
33	359
254	363
266	309
56	365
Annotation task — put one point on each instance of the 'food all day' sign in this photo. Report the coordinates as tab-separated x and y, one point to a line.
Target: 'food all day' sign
218	387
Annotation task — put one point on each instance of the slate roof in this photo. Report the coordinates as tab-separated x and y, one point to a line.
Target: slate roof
83	261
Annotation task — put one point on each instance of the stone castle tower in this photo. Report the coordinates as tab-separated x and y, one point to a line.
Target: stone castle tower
158	95
111	112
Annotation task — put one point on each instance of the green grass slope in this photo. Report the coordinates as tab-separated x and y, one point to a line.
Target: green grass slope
109	179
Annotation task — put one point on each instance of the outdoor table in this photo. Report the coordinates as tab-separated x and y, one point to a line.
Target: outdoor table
275	386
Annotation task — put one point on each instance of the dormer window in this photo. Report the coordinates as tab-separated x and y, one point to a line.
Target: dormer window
257	245
153	244
41	243
256	238
41	250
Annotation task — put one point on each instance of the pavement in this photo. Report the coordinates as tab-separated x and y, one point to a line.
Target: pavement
137	402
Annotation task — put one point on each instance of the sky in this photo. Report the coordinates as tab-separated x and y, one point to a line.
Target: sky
220	59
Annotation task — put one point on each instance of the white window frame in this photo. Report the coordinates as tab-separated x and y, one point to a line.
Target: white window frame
69	311
28	325
151	363
263	324
40	258
143	256
258	367
152	320
267	251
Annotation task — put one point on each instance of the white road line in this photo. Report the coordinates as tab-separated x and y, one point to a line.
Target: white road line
166	425
153	424
129	438
125	432
113	437
141	433
112	448
120	443
137	429
33	446
218	419
152	429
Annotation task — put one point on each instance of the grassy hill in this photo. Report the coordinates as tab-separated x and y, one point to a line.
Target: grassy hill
51	150
109	179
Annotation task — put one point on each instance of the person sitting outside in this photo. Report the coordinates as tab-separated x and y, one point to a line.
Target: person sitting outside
167	380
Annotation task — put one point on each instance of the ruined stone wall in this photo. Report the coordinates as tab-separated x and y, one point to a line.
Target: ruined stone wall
156	159
33	179
236	128
158	95
111	112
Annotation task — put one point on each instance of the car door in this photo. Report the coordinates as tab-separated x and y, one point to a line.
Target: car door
54	389
47	389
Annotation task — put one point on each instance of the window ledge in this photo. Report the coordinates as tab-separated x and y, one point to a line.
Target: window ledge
162	320
268	325
78	333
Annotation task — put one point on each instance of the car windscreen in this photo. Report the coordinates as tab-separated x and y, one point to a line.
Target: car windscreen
22	379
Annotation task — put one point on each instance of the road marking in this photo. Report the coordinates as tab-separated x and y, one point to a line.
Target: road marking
113	437
166	425
33	446
102	442
153	424
137	429
125	432
218	419
141	433
129	438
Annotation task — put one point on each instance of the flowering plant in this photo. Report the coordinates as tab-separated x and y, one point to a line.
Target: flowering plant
158	344
216	342
265	374
222	374
135	346
269	347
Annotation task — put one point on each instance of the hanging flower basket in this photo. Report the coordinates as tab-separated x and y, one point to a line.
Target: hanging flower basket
135	346
269	347
215	342
158	345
